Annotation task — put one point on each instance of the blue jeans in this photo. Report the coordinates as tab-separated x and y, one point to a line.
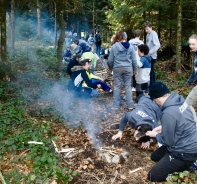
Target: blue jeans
98	50
104	86
123	75
141	89
193	78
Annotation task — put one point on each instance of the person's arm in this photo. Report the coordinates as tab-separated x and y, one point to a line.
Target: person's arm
87	80
122	125
156	43
111	58
167	135
133	58
192	97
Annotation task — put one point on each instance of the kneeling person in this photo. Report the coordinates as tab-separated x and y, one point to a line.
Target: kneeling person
143	118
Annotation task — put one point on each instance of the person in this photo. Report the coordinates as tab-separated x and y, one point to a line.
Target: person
67	55
79	76
73	62
135	42
193	47
93	57
91	42
98	43
144	117
122	60
82	46
153	43
177	134
144	67
192	97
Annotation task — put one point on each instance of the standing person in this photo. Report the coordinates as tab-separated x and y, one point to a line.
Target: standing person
193	47
135	42
177	134
153	43
144	67
122	60
91	42
98	43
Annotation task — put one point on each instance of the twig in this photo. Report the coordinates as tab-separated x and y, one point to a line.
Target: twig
114	178
20	154
94	177
135	170
2	179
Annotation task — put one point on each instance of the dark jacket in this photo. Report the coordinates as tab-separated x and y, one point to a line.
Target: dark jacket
146	112
79	76
70	65
179	132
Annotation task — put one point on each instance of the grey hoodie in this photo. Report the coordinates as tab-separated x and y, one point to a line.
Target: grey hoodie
122	54
146	112
179	132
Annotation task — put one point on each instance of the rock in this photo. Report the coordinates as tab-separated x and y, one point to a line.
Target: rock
115	159
106	158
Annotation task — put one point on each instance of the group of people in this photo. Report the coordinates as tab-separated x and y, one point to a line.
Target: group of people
170	120
160	116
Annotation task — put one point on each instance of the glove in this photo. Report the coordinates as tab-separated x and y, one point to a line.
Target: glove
118	135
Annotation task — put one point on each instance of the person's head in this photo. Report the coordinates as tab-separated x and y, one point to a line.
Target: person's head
76	41
113	39
68	47
143	50
120	36
193	42
140	133
137	33
85	63
147	26
98	32
159	92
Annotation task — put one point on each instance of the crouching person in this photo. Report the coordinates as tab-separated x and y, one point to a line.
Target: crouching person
79	76
143	118
177	134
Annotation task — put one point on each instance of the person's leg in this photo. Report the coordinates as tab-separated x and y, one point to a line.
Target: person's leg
152	72
99	50
117	75
139	92
104	86
168	164
191	78
127	76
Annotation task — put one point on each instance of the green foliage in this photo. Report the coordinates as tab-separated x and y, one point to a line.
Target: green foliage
184	177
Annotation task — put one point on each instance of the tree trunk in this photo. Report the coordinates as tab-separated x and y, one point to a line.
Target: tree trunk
55	25
61	39
178	43
3	30
159	20
39	19
12	27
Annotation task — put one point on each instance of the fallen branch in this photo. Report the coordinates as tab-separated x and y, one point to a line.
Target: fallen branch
2	179
74	154
114	178
135	170
34	142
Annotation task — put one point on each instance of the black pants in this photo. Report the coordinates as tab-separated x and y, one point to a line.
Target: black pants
152	72
166	164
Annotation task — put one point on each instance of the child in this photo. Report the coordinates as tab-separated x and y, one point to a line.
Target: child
79	76
144	67
91	42
67	54
143	118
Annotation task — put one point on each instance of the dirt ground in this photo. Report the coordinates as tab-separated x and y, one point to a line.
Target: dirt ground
90	127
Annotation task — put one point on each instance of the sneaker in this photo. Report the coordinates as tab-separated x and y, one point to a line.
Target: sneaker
133	89
133	107
110	91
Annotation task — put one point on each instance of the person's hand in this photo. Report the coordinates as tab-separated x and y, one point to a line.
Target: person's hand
151	133
118	135
145	145
135	74
158	129
98	86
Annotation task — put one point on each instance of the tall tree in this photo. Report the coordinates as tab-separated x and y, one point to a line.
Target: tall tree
39	19
12	27
178	43
3	30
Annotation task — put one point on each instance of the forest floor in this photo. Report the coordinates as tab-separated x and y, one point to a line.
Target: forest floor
88	127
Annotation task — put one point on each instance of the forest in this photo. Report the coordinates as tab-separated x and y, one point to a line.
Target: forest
46	136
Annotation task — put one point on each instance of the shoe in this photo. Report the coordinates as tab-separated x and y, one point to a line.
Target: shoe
133	89
110	91
133	107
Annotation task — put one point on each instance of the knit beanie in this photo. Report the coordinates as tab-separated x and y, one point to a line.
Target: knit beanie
157	90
